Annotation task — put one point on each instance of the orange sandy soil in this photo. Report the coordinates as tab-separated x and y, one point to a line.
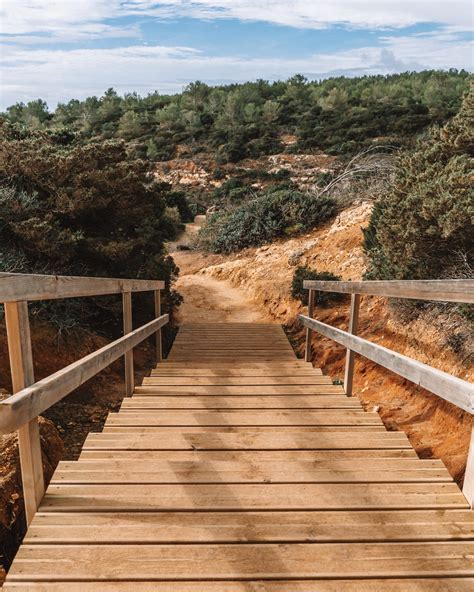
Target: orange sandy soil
263	278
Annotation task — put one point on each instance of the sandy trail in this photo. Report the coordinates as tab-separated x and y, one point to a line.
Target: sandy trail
207	299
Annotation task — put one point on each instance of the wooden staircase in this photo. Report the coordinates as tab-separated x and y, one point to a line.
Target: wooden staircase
237	467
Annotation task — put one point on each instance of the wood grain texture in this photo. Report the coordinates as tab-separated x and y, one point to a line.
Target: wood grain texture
223	473
31	287
456	391
436	290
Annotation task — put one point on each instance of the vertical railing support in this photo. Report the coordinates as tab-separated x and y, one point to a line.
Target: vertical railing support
353	326
468	487
29	443
159	346
309	333
127	328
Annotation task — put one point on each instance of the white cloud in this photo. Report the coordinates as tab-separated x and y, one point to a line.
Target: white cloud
318	13
73	19
59	75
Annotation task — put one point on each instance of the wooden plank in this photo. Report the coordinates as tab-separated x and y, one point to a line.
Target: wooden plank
245	472
30	402
322	389
210	417
254	460
294	364
255	439
128	356
159	343
468	487
445	584
350	356
164	431
275	455
165	371
240	401
178	562
234	380
22	373
309	333
216	475
269	496
228	527
436	290
456	391
29	287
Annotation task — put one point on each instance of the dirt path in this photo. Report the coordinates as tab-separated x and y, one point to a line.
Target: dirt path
206	298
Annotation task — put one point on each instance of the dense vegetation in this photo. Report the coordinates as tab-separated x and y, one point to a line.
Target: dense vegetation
422	227
81	209
275	213
322	298
338	115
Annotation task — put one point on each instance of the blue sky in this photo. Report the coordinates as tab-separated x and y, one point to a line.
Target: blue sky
63	49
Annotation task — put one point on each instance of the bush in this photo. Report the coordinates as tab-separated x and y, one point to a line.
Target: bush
179	200
282	174
322	298
81	210
417	227
274	214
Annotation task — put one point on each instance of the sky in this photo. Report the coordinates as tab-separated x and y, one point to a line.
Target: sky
58	50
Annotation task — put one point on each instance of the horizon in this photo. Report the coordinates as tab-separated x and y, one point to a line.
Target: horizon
58	53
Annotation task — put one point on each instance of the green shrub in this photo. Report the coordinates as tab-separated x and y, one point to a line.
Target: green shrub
322	298
179	200
275	214
282	174
219	174
426	217
79	209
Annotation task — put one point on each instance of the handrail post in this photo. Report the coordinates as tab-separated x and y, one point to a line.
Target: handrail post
353	327
309	333
22	372
159	346
468	487
127	328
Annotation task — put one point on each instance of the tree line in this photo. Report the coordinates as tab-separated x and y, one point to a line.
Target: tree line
338	115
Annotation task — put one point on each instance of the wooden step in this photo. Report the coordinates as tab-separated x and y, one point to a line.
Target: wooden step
269	496
224	561
245	527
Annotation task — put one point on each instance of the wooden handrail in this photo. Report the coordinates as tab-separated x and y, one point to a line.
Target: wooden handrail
452	389
16	287
461	291
20	411
455	390
33	400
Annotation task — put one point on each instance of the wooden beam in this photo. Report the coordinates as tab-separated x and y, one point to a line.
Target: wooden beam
468	487
309	333
29	287
29	443
456	391
159	347
127	328
350	355
33	400
438	290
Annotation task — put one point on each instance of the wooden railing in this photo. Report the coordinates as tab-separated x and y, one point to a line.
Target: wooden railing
452	389
20	411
